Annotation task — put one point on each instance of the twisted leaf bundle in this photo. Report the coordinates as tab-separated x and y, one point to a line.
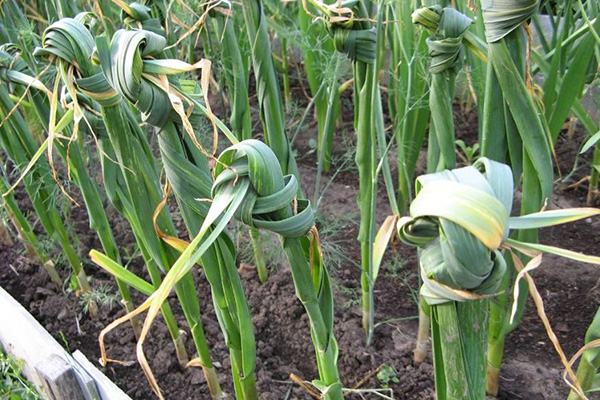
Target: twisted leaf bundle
460	222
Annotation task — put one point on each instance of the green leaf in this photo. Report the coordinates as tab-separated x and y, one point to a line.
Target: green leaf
551	218
554	250
121	273
525	115
590	142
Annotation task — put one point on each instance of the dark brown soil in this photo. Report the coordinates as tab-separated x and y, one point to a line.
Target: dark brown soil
531	370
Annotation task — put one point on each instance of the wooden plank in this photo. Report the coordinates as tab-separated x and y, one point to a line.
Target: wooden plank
23	337
59	380
106	388
45	363
86	380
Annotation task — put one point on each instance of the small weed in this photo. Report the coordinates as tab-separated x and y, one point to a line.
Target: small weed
352	303
13	386
70	285
387	375
345	162
333	233
103	295
396	268
353	294
65	341
469	153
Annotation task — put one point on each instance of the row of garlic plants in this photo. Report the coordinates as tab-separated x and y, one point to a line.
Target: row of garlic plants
96	76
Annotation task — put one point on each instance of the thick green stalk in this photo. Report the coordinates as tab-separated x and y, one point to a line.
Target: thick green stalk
26	234
359	41
267	86
78	168
324	340
135	195
420	351
440	151
19	144
458	329
97	215
459	265
318	52
240	112
236	78
533	198
445	51
592	194
285	72
269	98
459	333
259	255
184	164
501	142
365	83
408	87
528	150
573	82
268	204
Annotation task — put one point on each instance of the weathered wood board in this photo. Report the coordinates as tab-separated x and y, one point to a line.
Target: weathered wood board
45	363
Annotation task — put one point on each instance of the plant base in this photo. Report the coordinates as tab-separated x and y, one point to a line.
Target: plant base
492	380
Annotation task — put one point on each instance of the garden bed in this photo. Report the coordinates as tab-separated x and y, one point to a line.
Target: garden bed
531	369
